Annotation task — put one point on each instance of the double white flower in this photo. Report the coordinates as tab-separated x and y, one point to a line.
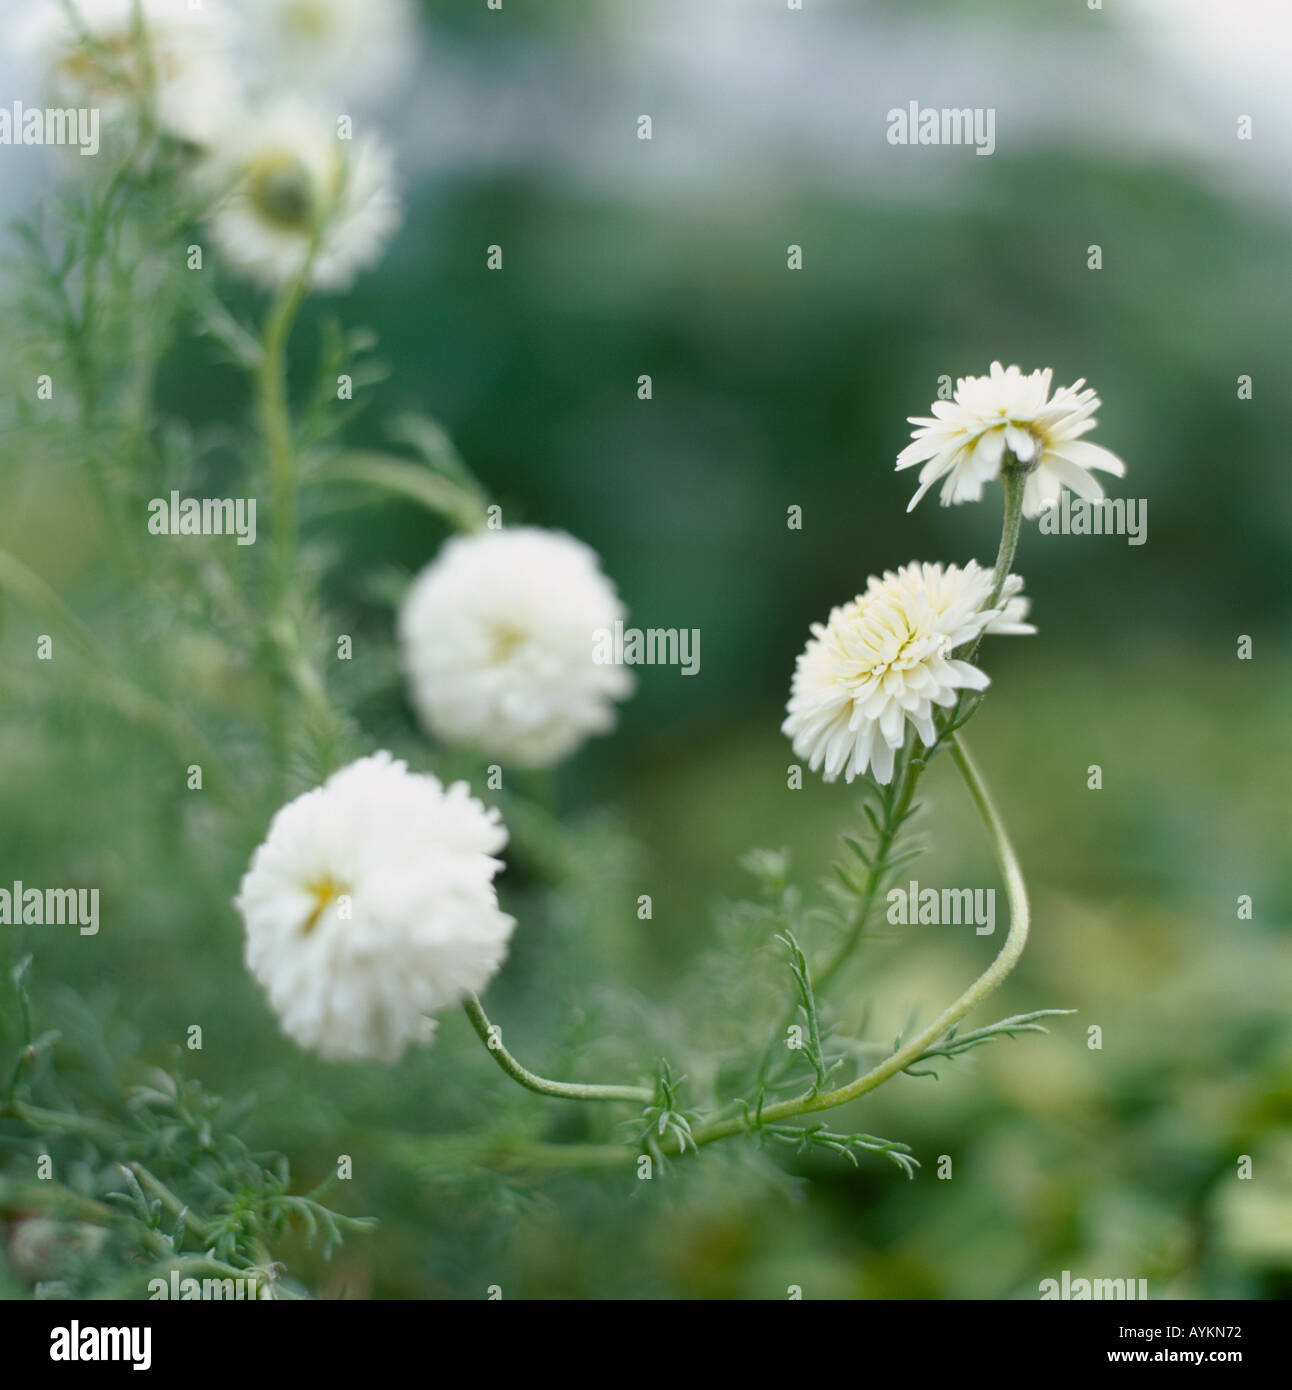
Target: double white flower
885	659
371	906
498	636
966	440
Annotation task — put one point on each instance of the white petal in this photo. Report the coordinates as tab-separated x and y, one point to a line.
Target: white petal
881	762
1081	482
971	678
1086	455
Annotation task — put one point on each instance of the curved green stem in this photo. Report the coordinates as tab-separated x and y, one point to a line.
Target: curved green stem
1016	891
567	1090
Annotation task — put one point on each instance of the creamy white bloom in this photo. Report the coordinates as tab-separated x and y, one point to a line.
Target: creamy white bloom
885	659
499	636
288	181
331	47
371	906
966	440
95	59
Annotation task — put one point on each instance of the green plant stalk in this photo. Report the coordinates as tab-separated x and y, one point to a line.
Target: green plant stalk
985	984
280	457
810	1102
567	1090
876	874
1014	478
275	421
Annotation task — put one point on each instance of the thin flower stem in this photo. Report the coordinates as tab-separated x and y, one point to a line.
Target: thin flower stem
275	420
276	425
568	1090
1014	480
877	873
296	673
1016	891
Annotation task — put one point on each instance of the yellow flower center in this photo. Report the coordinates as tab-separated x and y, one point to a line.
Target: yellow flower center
506	637
324	891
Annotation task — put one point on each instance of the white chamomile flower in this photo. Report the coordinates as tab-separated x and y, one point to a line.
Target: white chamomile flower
371	906
331	47
291	184
89	55
885	659
966	441
499	638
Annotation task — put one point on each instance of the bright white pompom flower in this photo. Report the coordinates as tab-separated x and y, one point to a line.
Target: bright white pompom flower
966	441
293	187
498	636
371	906
885	659
89	56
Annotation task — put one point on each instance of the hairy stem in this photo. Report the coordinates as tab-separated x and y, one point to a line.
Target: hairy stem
1014	480
567	1090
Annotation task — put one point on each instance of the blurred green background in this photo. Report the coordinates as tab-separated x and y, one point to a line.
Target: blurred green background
774	388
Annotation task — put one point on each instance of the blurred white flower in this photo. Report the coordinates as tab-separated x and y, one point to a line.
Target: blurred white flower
884	659
371	906
331	47
966	440
88	54
291	184
498	637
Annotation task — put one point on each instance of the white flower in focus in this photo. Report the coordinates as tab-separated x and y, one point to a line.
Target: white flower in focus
331	47
884	659
498	636
966	440
371	906
289	182
94	59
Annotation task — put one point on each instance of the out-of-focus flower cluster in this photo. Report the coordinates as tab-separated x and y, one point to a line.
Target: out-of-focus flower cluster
272	97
